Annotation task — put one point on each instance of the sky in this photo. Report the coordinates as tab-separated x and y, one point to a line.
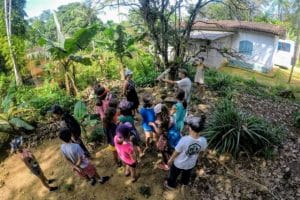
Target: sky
35	8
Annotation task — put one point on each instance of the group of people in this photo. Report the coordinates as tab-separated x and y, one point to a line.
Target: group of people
163	128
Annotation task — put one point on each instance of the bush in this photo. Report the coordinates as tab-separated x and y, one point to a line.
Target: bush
38	98
297	119
96	135
4	139
233	131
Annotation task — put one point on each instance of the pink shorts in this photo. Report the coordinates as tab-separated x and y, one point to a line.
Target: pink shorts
89	171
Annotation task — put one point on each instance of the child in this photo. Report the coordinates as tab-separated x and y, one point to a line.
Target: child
126	151
186	152
75	156
126	117
126	114
103	97
31	162
109	127
68	121
148	116
179	110
129	90
168	134
113	103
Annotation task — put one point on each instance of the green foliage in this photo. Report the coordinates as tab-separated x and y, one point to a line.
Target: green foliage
19	123
96	135
232	131
297	119
4	139
80	110
42	98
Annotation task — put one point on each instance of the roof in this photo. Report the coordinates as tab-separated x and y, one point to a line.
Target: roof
231	25
209	35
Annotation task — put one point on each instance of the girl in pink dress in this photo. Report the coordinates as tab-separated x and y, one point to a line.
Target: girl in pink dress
126	151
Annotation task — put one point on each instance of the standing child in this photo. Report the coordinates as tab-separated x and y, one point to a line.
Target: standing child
179	110
168	134
148	116
76	157
186	152
126	112
126	151
126	117
68	121
103	97
109	127
31	163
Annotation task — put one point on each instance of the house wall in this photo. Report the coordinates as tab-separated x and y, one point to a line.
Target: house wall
264	48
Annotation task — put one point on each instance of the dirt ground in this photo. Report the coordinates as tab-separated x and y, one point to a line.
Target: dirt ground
19	183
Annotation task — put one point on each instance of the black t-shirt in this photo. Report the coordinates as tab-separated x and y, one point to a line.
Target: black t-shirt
72	124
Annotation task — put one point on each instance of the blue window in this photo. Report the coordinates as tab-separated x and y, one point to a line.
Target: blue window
246	47
283	46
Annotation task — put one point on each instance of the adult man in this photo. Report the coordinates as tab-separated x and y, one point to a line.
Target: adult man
184	83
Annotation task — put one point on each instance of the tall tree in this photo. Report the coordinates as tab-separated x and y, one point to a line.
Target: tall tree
8	22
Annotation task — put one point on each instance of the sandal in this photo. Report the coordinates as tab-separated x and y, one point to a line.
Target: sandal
163	167
133	180
127	174
103	179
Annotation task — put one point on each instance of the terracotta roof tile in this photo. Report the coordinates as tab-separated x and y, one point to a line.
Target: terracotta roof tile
231	25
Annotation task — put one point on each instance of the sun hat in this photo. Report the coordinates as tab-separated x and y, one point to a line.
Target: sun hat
125	105
128	72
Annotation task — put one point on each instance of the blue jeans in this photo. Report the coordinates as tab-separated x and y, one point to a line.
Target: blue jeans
175	172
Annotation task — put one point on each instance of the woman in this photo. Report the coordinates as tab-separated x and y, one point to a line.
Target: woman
199	77
129	90
68	121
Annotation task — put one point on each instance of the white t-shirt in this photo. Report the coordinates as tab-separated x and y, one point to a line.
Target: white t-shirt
185	84
73	151
189	149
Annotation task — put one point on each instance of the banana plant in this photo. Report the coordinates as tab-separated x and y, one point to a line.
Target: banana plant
66	54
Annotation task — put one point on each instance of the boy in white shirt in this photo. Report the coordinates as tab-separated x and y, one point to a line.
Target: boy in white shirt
186	153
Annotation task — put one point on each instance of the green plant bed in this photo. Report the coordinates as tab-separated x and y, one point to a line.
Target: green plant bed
233	131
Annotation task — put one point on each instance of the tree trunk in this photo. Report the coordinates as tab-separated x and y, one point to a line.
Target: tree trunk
75	89
67	83
122	68
7	10
296	52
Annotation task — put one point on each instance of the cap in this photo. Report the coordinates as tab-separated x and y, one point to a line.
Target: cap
128	72
157	108
125	105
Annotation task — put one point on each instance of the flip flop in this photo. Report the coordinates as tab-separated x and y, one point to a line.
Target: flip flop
103	179
163	167
167	186
135	179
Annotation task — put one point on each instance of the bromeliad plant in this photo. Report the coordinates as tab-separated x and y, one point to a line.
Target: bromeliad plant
231	131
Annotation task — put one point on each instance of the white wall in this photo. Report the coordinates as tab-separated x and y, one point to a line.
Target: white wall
264	47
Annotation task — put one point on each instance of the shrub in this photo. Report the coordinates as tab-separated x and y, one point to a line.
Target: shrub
4	139
96	135
233	131
41	98
217	81
297	119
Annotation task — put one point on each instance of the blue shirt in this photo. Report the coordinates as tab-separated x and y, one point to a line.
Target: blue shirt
148	115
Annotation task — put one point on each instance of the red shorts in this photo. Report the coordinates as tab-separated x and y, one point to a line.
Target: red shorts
89	171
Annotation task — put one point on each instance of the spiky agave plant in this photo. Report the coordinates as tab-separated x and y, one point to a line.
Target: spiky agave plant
233	131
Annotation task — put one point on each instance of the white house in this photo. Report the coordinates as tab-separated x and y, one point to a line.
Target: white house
245	44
